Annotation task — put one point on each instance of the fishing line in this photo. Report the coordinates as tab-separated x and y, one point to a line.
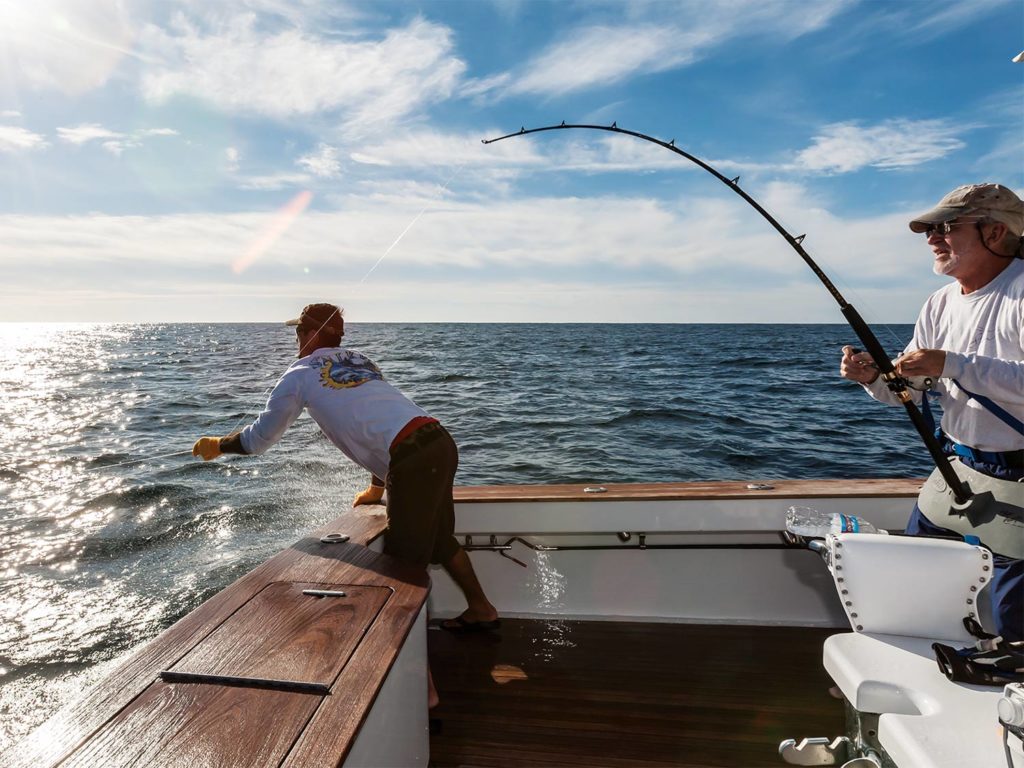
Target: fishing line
849	289
444	188
896	384
253	409
388	250
137	461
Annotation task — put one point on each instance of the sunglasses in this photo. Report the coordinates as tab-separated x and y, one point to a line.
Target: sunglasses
946	227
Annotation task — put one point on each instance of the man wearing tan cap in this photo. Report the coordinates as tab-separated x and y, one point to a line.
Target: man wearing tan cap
969	341
382	431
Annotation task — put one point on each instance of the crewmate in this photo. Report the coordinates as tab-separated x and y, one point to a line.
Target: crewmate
409	454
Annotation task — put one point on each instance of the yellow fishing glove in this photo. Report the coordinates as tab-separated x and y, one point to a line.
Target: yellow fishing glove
371	495
207	447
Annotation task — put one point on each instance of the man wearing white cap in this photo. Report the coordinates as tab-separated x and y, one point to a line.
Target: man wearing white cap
969	341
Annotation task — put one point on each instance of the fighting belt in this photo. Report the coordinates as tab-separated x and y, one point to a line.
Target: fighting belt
995	513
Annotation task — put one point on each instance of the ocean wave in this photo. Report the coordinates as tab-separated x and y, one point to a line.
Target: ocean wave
109	459
649	414
140	496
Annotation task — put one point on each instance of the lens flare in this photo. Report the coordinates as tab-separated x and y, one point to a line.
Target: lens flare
280	224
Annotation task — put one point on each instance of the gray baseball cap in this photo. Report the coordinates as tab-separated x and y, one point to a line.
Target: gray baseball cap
992	200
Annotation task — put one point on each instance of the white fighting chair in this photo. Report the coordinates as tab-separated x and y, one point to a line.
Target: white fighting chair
901	594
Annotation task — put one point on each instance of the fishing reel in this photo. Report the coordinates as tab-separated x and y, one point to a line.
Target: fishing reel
919	383
896	383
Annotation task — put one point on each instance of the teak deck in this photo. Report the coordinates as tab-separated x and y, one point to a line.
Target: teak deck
616	694
251	667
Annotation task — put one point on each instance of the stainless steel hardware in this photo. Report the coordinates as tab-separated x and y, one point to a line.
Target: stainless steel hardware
817	751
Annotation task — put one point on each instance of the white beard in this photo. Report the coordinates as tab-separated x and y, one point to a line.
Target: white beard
946	264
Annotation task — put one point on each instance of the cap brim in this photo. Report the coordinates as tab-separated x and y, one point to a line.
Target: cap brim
935	216
296	321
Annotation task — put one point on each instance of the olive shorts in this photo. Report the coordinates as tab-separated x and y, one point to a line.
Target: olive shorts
421	511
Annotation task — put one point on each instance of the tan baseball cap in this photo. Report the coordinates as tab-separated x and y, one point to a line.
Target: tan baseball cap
320	317
992	200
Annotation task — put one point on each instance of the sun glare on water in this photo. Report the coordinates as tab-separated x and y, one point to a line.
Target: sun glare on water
58	407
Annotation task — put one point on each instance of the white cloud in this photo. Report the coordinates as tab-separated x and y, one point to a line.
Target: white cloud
595	246
323	163
231	159
114	142
484	85
954	15
290	72
304	14
14	139
274	181
116	147
653	37
10	114
603	55
364	159
86	132
429	148
838	148
846	147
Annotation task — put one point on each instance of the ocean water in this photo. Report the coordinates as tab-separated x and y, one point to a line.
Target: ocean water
110	531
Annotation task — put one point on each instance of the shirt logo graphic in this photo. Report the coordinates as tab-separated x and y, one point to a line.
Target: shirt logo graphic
347	370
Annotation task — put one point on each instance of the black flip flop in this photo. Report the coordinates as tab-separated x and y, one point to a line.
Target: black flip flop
462	626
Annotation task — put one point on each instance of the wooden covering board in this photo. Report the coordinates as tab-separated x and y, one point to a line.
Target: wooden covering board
695	491
101	727
211	725
283	634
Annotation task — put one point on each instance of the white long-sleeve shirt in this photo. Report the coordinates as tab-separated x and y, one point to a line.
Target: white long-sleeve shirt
982	335
346	395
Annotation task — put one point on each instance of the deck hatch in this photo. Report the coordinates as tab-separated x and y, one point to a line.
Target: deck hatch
199	726
281	635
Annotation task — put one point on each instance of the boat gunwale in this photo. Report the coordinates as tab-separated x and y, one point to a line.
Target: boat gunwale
692	491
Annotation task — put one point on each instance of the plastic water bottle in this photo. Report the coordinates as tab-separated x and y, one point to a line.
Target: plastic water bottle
807	521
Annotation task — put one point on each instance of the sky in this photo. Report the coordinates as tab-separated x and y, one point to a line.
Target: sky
233	161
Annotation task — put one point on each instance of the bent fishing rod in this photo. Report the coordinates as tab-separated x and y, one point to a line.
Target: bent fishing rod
896	383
